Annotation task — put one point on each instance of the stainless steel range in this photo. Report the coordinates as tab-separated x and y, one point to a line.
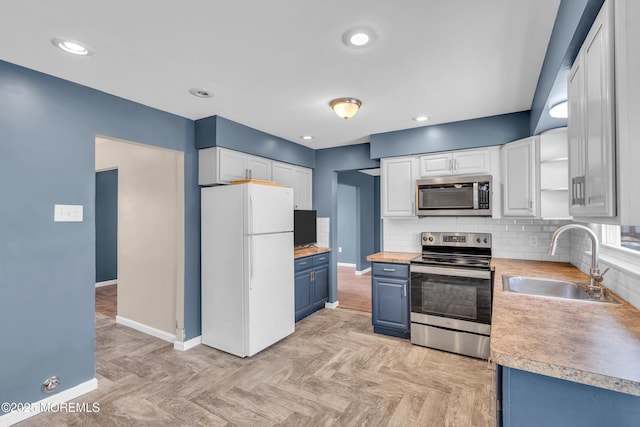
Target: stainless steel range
451	293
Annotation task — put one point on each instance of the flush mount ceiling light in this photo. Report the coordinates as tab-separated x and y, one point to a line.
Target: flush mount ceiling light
306	137
358	37
420	118
72	46
559	111
345	107
201	93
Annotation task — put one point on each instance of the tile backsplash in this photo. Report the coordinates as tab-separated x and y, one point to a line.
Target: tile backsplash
512	238
322	232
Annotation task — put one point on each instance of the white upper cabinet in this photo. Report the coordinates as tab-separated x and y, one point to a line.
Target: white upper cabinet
519	174
299	178
282	173
591	122
222	166
398	186
217	165
302	188
463	162
259	168
554	174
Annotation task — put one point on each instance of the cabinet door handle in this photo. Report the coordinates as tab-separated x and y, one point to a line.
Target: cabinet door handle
313	276
455	165
450	167
388	269
404	290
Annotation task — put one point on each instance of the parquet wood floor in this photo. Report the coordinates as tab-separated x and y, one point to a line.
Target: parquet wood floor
333	371
107	300
354	291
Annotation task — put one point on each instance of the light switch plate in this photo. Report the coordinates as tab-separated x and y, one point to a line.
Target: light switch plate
67	213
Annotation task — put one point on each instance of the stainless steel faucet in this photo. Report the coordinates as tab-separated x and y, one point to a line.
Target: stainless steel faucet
595	277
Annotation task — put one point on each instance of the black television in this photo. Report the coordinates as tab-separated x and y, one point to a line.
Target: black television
304	227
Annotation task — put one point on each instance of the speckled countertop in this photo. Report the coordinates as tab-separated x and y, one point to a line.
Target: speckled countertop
395	257
585	342
300	253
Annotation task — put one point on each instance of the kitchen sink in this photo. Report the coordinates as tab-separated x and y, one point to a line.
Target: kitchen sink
552	288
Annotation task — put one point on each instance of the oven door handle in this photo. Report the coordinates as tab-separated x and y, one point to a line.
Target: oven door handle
457	272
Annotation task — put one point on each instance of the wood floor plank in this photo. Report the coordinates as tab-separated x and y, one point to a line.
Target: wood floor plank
333	371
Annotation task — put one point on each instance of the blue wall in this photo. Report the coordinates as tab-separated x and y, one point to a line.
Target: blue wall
347	223
484	132
47	156
217	131
106	225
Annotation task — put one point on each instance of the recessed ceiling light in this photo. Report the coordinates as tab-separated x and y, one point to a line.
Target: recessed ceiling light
420	118
559	111
72	46
201	93
358	37
307	137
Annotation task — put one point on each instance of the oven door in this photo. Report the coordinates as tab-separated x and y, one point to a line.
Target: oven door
453	293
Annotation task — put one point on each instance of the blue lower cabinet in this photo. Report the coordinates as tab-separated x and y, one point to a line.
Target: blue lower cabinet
526	399
390	299
311	284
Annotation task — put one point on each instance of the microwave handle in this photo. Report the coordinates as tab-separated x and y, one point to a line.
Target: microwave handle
475	196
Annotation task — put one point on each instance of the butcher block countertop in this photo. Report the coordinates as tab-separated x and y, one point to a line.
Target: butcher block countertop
300	253
395	257
585	342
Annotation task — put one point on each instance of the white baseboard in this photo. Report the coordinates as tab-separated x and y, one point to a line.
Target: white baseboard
365	271
331	305
107	283
165	336
36	407
187	345
346	264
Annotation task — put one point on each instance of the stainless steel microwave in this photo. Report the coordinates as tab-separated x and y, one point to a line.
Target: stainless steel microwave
462	195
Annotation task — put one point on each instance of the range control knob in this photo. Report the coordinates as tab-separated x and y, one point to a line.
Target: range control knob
486	240
478	240
431	238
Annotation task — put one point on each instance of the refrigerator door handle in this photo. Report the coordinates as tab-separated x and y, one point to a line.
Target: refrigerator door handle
250	214
252	261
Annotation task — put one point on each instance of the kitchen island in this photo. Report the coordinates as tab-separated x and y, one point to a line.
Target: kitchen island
563	362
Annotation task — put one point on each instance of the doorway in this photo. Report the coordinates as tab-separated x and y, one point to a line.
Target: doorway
106	217
356	238
150	235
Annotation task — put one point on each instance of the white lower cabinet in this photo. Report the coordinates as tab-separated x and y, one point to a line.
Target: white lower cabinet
398	186
519	178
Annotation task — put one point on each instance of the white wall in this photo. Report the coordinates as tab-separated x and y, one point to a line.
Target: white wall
512	238
150	231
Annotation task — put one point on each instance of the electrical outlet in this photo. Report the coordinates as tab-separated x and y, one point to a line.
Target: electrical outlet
533	240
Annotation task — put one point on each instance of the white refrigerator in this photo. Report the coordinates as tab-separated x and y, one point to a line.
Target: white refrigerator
247	267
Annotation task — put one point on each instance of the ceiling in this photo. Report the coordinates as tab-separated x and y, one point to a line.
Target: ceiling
275	65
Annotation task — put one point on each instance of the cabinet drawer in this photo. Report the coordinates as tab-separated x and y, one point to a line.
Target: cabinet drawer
400	271
303	263
321	259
